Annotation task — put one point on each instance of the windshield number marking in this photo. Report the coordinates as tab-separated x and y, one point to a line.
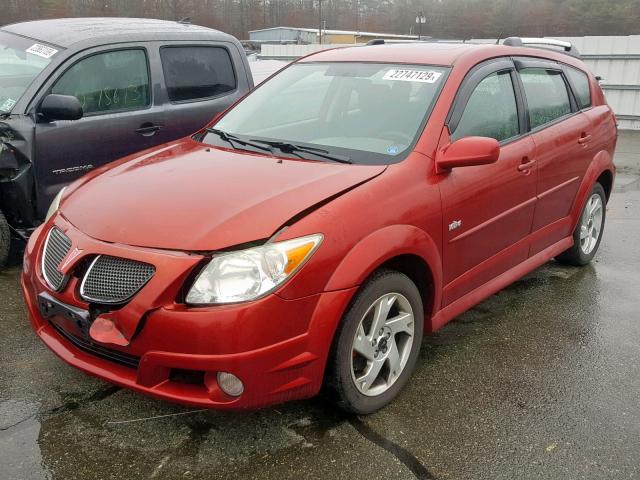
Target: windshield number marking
41	50
405	75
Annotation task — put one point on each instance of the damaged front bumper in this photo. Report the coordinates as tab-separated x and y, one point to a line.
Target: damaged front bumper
276	347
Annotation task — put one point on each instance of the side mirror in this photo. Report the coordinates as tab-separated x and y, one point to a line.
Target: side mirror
61	107
467	152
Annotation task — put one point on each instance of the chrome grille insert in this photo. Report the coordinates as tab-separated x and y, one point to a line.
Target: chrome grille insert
56	247
114	280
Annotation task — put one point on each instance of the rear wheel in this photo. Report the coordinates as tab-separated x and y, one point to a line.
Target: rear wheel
377	344
588	232
5	240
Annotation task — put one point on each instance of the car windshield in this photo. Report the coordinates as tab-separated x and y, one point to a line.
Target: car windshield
370	113
21	60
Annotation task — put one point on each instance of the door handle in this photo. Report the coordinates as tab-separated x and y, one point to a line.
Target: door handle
148	129
526	165
584	138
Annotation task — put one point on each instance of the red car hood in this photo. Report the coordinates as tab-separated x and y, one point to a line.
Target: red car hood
187	197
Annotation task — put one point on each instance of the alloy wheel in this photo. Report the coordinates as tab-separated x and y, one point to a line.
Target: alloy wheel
591	224
382	344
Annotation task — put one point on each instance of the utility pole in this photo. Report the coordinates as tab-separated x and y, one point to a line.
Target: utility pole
320	22
420	20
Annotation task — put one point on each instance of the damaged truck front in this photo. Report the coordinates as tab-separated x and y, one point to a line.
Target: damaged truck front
17	189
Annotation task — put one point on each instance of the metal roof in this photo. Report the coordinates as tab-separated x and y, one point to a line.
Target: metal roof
326	31
65	32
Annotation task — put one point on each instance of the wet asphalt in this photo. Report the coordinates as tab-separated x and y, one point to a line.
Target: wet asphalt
540	381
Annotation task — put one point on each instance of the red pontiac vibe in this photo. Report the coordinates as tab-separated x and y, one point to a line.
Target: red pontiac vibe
313	232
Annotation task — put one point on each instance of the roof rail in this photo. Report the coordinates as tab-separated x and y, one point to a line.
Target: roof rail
567	47
376	41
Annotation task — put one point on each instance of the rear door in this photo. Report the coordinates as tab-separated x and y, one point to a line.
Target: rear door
120	116
488	209
200	80
562	136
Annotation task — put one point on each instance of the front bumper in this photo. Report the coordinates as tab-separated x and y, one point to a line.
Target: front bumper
277	347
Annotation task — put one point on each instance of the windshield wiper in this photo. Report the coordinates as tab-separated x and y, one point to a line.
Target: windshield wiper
232	140
287	147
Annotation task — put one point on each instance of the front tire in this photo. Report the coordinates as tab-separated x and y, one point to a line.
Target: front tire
5	241
588	232
377	344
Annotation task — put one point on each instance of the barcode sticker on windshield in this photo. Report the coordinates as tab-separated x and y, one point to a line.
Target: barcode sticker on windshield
41	50
424	76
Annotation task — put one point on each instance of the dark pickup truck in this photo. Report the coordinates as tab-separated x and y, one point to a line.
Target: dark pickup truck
76	94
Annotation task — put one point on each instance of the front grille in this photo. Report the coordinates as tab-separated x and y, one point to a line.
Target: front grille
56	248
114	280
98	350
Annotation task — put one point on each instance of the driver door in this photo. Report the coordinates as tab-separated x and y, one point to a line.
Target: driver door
488	210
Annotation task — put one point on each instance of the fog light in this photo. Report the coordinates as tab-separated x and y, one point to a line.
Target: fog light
230	384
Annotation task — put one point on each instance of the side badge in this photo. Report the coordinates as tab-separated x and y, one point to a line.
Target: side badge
455	224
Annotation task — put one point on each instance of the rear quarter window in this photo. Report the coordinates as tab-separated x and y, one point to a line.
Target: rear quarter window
197	72
547	95
580	82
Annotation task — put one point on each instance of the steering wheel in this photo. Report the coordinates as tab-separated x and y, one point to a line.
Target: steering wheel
397	136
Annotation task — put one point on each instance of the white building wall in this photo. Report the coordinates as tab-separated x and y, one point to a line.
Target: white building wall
617	60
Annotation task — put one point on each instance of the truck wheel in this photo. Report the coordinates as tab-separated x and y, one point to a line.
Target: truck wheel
588	232
5	240
377	344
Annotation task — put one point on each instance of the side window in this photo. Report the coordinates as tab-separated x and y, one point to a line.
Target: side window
547	95
491	110
196	72
581	84
108	82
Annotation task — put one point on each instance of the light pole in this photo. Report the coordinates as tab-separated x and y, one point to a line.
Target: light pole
420	20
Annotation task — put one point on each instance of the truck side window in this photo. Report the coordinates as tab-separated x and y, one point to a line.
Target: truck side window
491	110
197	72
108	82
581	84
547	95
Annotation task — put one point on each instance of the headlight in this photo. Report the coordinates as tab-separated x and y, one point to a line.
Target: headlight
53	208
249	274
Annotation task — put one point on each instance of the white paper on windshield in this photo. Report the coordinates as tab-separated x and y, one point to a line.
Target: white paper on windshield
8	104
406	75
41	50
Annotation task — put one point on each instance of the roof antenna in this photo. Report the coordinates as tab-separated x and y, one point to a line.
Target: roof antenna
498	39
185	21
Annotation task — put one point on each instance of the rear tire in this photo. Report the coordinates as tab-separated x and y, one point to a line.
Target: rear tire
588	232
376	345
5	240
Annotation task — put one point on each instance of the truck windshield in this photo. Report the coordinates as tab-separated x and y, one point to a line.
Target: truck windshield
21	60
370	113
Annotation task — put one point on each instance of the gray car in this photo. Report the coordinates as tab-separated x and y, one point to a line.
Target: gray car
76	94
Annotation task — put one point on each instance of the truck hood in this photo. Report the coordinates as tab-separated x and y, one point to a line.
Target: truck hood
188	196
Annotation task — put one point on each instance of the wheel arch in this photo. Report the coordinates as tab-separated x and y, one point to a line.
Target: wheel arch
404	248
600	170
606	180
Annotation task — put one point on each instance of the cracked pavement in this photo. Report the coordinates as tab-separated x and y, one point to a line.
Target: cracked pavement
540	381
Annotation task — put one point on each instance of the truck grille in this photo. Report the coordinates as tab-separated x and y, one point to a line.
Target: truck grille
56	248
114	280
